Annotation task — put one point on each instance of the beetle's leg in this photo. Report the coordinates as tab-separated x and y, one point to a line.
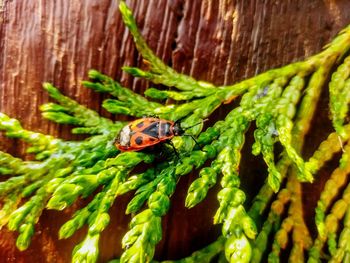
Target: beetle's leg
175	151
195	141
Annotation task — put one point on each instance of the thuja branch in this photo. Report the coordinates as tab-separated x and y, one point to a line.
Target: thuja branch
320	63
280	103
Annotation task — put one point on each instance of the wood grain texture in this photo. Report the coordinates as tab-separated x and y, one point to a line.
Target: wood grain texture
221	41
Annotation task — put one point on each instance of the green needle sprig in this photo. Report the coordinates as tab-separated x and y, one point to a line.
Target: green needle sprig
339	89
342	252
279	105
70	112
87	251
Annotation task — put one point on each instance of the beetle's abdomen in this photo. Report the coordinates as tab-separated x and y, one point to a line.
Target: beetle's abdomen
124	136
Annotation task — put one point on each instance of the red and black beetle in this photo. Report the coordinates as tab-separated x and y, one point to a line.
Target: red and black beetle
142	133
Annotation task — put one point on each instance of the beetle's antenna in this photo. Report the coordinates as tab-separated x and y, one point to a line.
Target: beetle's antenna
195	124
190	135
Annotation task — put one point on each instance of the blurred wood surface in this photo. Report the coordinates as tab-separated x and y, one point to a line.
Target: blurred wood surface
221	41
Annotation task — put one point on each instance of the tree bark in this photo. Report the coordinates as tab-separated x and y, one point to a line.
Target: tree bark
219	41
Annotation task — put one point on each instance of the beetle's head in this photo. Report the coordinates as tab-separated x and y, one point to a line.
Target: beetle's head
177	129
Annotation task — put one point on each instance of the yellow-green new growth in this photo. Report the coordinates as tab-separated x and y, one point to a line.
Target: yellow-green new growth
279	104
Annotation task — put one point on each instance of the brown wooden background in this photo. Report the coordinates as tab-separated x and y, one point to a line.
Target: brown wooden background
221	41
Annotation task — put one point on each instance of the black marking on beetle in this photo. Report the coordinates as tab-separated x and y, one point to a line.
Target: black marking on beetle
152	130
152	139
138	140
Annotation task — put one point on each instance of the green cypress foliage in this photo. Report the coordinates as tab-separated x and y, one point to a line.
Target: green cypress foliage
279	103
